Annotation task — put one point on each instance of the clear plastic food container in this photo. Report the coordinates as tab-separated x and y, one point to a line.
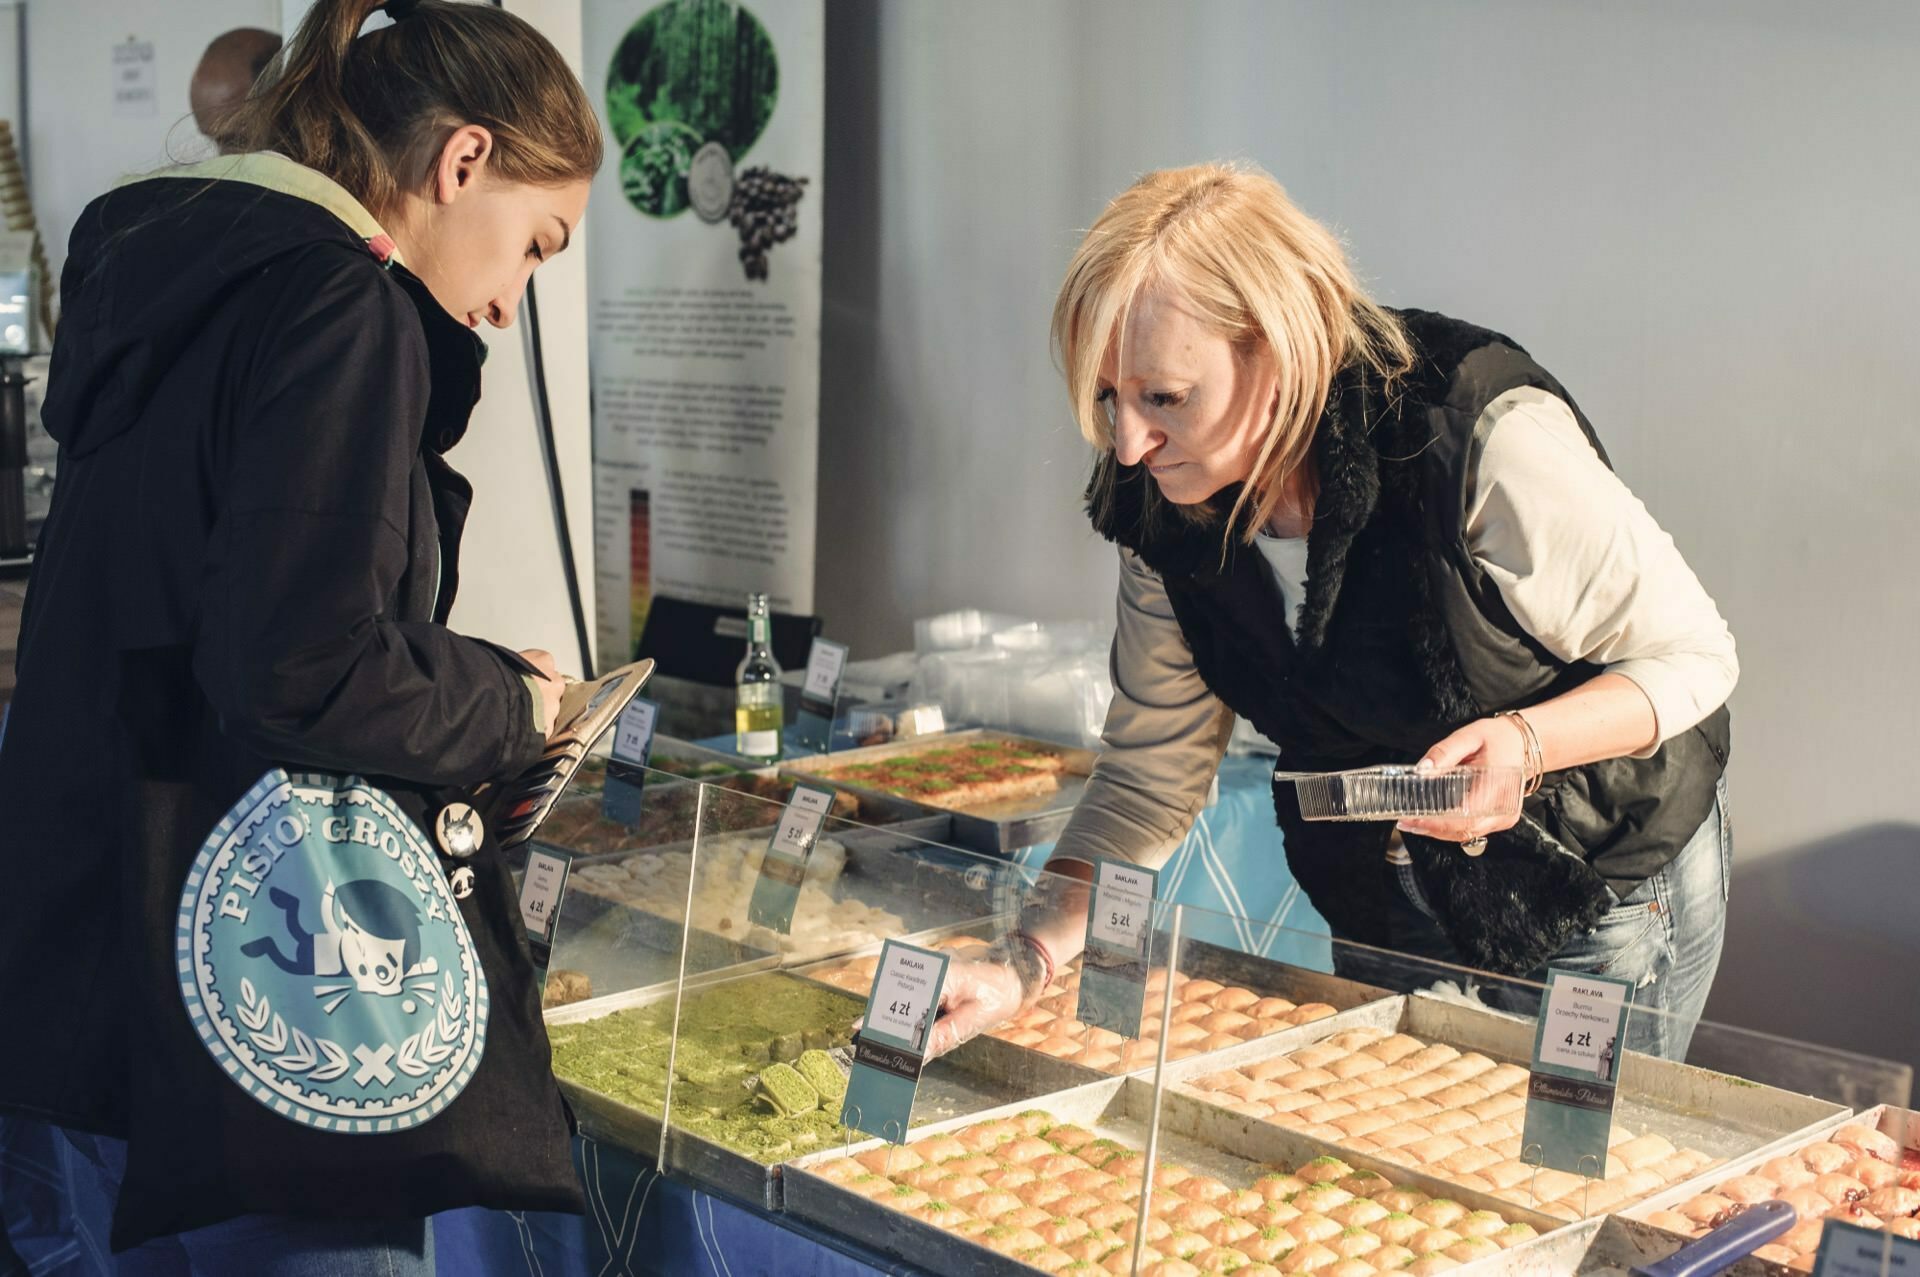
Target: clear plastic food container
1407	793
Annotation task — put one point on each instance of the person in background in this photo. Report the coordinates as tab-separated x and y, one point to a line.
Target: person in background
246	574
1382	537
232	64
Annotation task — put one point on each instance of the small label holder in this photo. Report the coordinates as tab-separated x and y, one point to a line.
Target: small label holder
625	788
784	866
1578	1042
1113	967
820	694
890	1050
1852	1250
542	893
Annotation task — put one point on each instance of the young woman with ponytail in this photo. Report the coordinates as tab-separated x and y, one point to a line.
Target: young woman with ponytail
246	574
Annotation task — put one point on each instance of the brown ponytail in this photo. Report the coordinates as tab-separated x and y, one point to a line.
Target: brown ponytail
372	111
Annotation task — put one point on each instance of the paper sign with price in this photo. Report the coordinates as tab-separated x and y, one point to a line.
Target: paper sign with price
1583	1025
540	898
825	661
1113	972
624	790
901	995
800	823
1122	904
890	1049
820	694
633	732
784	866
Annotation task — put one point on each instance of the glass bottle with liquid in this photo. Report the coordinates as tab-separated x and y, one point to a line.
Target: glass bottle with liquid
758	712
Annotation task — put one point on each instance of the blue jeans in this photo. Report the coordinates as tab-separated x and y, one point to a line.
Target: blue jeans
1665	936
91	1168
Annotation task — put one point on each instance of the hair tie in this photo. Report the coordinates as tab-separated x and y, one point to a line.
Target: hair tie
401	10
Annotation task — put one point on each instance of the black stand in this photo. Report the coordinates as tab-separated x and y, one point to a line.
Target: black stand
16	552
550	457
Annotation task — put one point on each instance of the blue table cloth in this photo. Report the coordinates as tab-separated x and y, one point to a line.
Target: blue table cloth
1232	868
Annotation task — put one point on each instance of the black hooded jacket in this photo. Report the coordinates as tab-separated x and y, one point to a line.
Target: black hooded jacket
249	559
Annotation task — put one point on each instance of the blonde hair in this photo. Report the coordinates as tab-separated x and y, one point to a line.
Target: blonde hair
373	111
1257	271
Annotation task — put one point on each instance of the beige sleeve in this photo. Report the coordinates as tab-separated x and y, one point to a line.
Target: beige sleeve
1584	567
1164	737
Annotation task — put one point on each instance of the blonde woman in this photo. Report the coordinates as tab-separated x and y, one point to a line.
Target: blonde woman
1381	537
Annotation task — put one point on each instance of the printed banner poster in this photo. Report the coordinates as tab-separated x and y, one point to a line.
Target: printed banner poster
704	291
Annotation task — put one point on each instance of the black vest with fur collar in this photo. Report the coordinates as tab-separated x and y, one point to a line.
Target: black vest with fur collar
1402	639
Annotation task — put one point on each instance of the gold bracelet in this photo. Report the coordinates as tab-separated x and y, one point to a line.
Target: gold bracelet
1535	769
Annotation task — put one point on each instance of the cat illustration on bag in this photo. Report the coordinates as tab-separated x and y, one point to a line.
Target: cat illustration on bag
369	932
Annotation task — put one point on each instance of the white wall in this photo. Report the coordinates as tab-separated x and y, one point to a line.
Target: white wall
11	30
511	586
77	146
1701	217
512	589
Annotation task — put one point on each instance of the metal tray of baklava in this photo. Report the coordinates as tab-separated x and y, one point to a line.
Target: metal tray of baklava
994	828
1901	1125
577	824
1200	960
965	1081
1202	1138
1722	1116
630	941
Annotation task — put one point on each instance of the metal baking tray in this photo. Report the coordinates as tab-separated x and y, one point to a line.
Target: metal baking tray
959	1085
1201	1137
1606	1246
996	829
876	810
1722	1116
1901	1124
622	946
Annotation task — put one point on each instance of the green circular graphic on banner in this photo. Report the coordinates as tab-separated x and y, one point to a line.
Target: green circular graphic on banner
689	72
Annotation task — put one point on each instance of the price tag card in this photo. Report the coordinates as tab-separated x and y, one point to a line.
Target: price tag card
1849	1250
541	894
784	867
621	796
633	732
820	694
891	1047
1113	969
1577	1046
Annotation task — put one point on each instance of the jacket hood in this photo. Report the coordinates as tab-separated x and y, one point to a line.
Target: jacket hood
149	261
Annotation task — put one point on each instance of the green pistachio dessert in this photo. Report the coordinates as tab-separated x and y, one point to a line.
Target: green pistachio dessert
727	1035
823	1075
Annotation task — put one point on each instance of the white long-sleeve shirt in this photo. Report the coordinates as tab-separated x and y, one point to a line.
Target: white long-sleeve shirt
1577	558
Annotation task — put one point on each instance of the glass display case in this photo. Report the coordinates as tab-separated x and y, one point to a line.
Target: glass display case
1351	1110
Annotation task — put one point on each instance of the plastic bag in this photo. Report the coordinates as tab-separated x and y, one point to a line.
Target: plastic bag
1046	679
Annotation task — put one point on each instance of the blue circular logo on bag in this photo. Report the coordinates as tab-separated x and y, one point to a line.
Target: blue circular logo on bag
324	962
